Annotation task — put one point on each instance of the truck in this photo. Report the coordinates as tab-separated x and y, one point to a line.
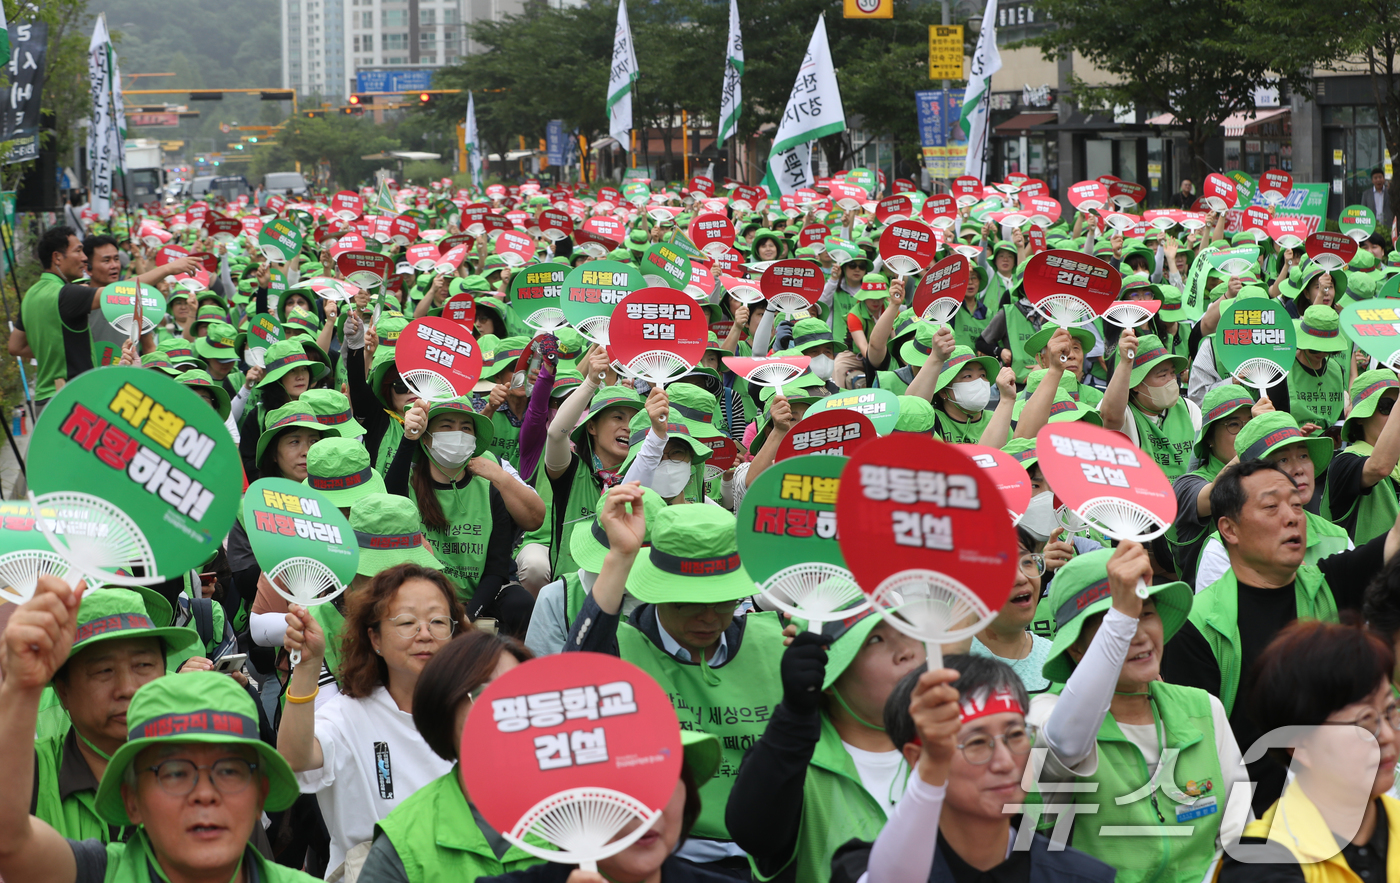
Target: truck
144	176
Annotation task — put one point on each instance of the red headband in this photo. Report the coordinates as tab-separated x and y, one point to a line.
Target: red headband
983	703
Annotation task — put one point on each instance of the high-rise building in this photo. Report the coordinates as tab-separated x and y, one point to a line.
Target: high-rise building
326	43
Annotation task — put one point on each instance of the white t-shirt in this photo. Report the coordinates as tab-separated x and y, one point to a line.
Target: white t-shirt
882	773
374	759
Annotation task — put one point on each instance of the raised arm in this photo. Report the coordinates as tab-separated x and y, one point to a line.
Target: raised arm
296	734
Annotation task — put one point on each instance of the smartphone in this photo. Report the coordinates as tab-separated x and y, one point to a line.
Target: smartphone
229	662
855	380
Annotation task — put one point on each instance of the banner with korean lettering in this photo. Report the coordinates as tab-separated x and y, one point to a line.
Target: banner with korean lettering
928	108
554	141
813	111
566	723
107	133
789	516
19	104
140	442
287	519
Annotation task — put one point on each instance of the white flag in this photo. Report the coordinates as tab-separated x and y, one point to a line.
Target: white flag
813	110
731	98
107	135
472	139
986	60
624	73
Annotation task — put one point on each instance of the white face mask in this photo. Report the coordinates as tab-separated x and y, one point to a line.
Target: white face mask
971	395
823	366
1039	520
452	448
670	478
1159	398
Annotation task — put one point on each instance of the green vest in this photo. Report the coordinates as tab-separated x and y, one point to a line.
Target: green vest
968	433
581	503
967	327
74	817
389	444
1373	513
891	381
574	596
1019	330
1215	613
1314	398
733	702
1169	444
461	547
43	328
438	839
505	443
836	808
1189	795
131	862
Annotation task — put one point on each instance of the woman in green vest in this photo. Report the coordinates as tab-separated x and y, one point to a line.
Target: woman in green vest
961	395
176	727
1075	364
379	401
1335	822
1363	493
871	302
1143	401
1160	758
1314	387
283	446
287	374
466	503
720	669
595	419
1309	285
1275	437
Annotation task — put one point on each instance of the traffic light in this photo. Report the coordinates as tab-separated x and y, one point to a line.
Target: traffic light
424	99
361	100
354	99
253	139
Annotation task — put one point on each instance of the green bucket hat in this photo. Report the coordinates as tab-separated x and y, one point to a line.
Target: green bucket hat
1302	275
1041	339
695	407
292	415
1319	330
197	379
640	427
1151	353
340	469
1273	430
1363	260
694	559
1023	450
210	298
1219	403
181	354
482	428
504	356
702	754
570	343
875	286
158	361
468	283
959	360
1064	408
606	397
808	334
915	415
1080	590
221	343
1171	310
201	707
210	313
381	364
389	531
284	355
111	614
1142	250
589	541
1366	391
916	349
299	321
332	410
847	636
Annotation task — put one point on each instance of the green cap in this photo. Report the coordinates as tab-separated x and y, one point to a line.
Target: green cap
694	559
1274	430
201	380
1080	590
1219	403
340	469
1151	352
915	415
1319	330
300	321
1041	339
875	286
1366	391
1023	449
332	410
158	361
589	541
482	428
606	397
220	343
292	415
389	532
114	614
959	360
285	355
200	707
181	354
468	283
808	334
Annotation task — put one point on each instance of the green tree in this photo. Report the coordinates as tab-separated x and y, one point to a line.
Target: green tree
1191	58
338	139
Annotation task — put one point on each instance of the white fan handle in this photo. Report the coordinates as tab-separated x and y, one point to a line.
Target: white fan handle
1141	589
933	652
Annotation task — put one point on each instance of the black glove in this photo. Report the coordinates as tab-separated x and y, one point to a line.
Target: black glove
803	668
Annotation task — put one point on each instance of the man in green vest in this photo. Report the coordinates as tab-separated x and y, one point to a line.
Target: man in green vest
1259	514
192	777
720	669
1362	493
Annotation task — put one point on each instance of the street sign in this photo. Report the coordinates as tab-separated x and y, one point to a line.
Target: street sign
945	52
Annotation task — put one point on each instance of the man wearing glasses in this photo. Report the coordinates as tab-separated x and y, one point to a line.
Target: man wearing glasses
188	784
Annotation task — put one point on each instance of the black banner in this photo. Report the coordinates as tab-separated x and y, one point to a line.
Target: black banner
19	102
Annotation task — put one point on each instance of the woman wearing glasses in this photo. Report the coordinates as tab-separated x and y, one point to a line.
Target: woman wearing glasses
963	735
1361	491
1325	690
1158	759
359	752
1007	638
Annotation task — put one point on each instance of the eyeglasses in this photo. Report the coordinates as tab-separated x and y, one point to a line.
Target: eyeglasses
178	778
1233	427
980	748
399	386
1371	722
1032	564
719	607
439	627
